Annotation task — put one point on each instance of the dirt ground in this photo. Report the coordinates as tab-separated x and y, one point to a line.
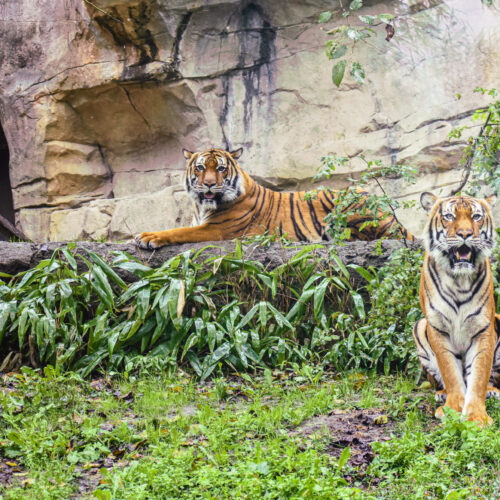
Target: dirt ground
354	428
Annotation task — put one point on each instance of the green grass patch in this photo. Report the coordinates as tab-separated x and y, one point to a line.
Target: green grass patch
239	437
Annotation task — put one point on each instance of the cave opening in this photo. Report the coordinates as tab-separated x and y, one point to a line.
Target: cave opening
6	202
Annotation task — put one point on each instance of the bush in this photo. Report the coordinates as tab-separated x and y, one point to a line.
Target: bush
210	312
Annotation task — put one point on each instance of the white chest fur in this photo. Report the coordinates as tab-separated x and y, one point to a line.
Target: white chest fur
457	306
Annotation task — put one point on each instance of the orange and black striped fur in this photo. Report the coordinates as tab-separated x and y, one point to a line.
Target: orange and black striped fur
457	341
230	204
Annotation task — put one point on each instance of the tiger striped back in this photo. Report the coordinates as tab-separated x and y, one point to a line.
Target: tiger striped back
230	204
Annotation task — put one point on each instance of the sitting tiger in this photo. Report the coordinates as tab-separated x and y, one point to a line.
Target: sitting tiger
457	341
230	204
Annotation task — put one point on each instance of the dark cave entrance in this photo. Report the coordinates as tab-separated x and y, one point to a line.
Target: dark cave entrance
6	202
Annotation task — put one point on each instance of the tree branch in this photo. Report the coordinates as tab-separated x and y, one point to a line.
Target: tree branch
468	165
11	229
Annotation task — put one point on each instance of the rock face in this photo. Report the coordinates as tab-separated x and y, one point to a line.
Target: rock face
98	98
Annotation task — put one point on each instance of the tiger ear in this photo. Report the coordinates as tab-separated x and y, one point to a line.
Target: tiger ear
427	201
187	154
491	200
236	154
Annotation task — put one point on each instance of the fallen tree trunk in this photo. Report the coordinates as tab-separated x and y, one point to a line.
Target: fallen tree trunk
18	257
8	230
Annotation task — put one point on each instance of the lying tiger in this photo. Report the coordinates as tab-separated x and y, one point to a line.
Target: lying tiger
457	341
230	204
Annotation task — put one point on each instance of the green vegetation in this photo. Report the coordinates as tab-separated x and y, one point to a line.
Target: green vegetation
481	156
357	200
210	312
270	436
346	36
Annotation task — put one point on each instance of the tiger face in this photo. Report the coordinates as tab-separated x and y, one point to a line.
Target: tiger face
459	232
213	177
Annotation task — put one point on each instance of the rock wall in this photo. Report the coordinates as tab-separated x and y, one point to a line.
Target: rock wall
98	98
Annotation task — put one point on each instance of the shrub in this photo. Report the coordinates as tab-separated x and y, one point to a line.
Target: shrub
209	312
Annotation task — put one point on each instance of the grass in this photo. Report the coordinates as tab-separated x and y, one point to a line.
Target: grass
241	437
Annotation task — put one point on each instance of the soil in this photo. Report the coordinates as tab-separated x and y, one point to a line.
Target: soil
356	429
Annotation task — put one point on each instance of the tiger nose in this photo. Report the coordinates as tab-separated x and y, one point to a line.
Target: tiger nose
464	233
209	184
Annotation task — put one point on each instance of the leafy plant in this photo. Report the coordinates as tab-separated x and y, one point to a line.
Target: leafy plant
74	311
383	341
481	157
356	200
454	460
346	36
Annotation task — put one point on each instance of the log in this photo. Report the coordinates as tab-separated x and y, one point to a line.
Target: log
8	230
18	257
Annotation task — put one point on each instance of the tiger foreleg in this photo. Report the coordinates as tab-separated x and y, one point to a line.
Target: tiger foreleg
179	235
441	366
427	359
479	360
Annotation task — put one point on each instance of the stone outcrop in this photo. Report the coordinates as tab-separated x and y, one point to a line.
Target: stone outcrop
98	98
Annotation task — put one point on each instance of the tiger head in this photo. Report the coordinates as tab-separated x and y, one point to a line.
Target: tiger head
459	232
214	177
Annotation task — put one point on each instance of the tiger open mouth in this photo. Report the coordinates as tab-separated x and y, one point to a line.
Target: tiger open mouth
209	196
462	257
463	254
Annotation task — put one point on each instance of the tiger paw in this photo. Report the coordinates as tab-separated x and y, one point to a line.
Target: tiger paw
440	397
481	418
148	241
492	392
439	413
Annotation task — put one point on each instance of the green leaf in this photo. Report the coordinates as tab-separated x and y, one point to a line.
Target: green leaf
262	314
338	72
344	457
132	291
365	273
356	4
69	257
280	319
113	337
174	296
359	306
353	34
339	52
248	316
219	353
102	287
324	17
194	361
319	297
300	305
340	265
358	73
367	19
190	342
385	17
23	326
106	269
135	268
143	302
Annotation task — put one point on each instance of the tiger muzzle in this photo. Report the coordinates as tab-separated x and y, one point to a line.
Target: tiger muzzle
462	256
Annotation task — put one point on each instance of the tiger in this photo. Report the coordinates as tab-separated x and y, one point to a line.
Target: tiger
457	341
229	204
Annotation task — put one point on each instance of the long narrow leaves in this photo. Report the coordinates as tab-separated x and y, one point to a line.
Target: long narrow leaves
76	311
